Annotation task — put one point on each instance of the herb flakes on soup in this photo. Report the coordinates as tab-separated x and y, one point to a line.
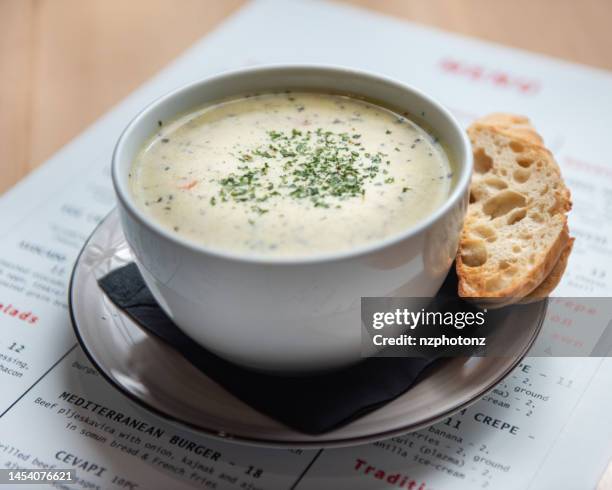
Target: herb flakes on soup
290	174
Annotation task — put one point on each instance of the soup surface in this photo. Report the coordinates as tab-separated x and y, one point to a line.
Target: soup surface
290	174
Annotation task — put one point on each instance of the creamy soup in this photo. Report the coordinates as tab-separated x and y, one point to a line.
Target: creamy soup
290	174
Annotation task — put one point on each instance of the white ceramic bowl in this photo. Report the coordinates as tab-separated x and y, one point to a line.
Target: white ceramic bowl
289	315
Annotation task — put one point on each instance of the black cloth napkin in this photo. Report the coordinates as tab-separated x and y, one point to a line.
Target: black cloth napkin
311	404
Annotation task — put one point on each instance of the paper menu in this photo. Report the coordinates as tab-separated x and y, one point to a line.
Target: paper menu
528	433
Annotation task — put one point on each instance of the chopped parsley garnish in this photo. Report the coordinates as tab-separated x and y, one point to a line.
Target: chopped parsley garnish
321	166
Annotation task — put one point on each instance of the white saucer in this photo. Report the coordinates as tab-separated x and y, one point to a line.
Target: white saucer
156	377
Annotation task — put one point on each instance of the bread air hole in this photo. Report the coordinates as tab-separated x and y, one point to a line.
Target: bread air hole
516	249
556	207
503	202
524	162
473	253
516	216
486	232
521	175
516	147
496	183
482	161
503	264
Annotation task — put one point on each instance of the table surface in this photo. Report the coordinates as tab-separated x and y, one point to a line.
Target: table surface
65	62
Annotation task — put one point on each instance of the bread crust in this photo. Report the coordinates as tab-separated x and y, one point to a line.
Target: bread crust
513	125
473	279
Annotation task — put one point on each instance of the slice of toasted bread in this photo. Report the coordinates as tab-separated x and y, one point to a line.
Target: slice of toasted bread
516	225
